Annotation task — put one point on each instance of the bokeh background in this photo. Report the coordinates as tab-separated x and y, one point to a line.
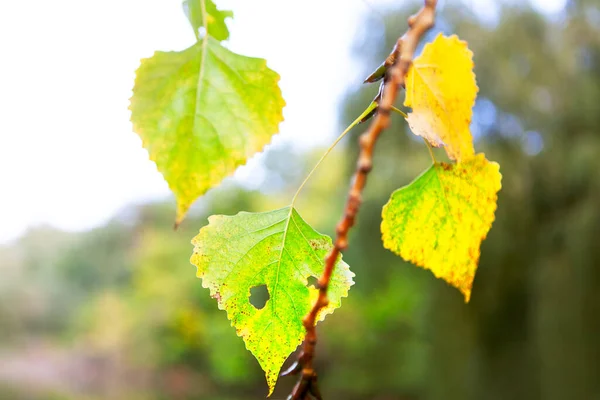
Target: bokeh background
113	310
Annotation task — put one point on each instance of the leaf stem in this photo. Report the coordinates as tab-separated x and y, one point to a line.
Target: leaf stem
357	121
397	110
394	79
430	150
204	18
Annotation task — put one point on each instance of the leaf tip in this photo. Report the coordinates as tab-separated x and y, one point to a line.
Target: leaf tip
271	388
182	209
467	294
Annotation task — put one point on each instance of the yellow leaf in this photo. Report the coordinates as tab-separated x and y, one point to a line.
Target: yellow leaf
440	219
441	89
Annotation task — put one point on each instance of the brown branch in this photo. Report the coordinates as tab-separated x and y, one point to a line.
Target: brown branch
402	58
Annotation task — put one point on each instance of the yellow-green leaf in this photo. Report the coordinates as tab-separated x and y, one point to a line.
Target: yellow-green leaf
440	219
203	112
279	250
441	89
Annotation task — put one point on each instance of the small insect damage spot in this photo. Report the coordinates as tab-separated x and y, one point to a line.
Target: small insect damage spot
312	282
259	295
319	244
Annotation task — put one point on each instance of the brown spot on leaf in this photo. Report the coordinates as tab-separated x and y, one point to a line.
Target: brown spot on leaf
319	244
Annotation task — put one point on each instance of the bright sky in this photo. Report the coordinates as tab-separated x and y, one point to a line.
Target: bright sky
68	156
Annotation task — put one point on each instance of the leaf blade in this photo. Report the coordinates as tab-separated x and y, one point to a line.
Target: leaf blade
287	251
203	112
439	220
441	89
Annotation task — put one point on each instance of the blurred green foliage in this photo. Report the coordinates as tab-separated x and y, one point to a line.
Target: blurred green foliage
127	319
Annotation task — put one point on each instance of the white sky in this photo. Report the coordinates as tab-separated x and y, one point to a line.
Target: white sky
68	156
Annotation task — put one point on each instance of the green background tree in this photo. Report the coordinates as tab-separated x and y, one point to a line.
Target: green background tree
122	300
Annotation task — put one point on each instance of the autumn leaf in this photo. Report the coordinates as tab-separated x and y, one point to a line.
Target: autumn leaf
441	89
440	219
203	112
234	254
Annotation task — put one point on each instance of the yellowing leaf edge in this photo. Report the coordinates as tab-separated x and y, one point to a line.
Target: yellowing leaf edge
398	245
459	85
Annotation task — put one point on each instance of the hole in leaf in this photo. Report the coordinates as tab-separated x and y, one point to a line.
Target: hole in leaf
313	281
259	295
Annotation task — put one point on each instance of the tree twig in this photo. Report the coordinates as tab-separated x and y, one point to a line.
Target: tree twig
402	58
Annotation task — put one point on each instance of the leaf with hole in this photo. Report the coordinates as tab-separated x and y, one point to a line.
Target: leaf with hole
441	89
203	112
238	256
440	219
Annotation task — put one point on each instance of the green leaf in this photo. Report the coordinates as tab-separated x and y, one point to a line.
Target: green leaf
278	249
203	112
440	219
215	19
